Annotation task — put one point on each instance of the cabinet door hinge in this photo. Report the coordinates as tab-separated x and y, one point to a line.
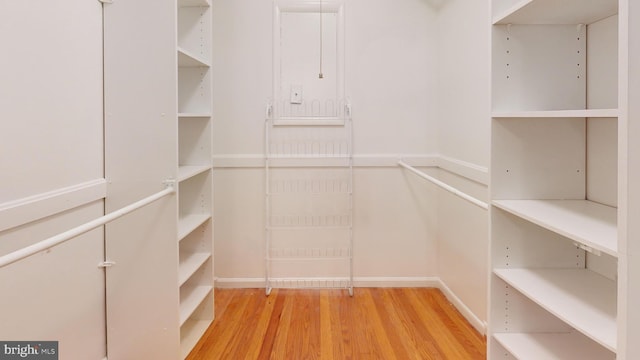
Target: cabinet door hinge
106	264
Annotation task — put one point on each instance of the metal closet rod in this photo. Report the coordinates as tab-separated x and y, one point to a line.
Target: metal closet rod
447	187
79	230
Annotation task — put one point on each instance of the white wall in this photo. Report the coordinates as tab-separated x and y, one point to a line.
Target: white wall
463	134
389	81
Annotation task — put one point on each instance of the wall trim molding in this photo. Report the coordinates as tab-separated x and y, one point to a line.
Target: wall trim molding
477	173
39	206
475	321
372	281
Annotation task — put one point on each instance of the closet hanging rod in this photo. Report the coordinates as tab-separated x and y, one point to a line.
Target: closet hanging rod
441	184
79	230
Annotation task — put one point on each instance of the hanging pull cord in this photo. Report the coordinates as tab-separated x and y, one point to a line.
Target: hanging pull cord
320	76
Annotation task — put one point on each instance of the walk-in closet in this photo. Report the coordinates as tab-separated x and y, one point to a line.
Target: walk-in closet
332	179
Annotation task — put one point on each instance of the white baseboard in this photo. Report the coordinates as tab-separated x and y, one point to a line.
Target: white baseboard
478	324
386	282
247	283
240	283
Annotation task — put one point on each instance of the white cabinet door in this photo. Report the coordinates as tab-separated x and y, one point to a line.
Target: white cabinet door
51	138
140	153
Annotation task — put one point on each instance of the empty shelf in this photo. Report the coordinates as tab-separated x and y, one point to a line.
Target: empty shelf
190	333
190	299
537	346
189	59
189	264
189	223
583	299
586	113
557	12
586	222
187	171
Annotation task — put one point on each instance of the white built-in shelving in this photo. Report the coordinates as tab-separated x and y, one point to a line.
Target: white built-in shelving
194	173
554	216
583	299
586	222
552	12
584	113
536	346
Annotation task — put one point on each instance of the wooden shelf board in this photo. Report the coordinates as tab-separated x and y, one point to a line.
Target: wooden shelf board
189	302
535	346
586	222
190	333
586	113
189	223
189	264
557	12
189	59
583	299
188	171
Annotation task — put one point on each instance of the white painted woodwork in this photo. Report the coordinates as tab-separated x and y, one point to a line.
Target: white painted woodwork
194	172
536	346
51	166
38	206
586	222
141	153
583	299
557	239
552	11
47	91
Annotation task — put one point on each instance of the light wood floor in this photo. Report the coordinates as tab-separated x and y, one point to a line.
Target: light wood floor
376	323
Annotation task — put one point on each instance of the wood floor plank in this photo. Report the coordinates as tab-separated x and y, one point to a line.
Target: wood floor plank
326	334
471	339
274	324
447	342
417	333
279	350
293	324
382	336
467	336
393	326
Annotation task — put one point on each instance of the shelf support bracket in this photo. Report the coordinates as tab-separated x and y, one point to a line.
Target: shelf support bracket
587	249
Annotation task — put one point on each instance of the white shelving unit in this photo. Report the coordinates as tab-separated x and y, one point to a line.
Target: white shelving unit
309	185
554	285
571	345
589	224
195	203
